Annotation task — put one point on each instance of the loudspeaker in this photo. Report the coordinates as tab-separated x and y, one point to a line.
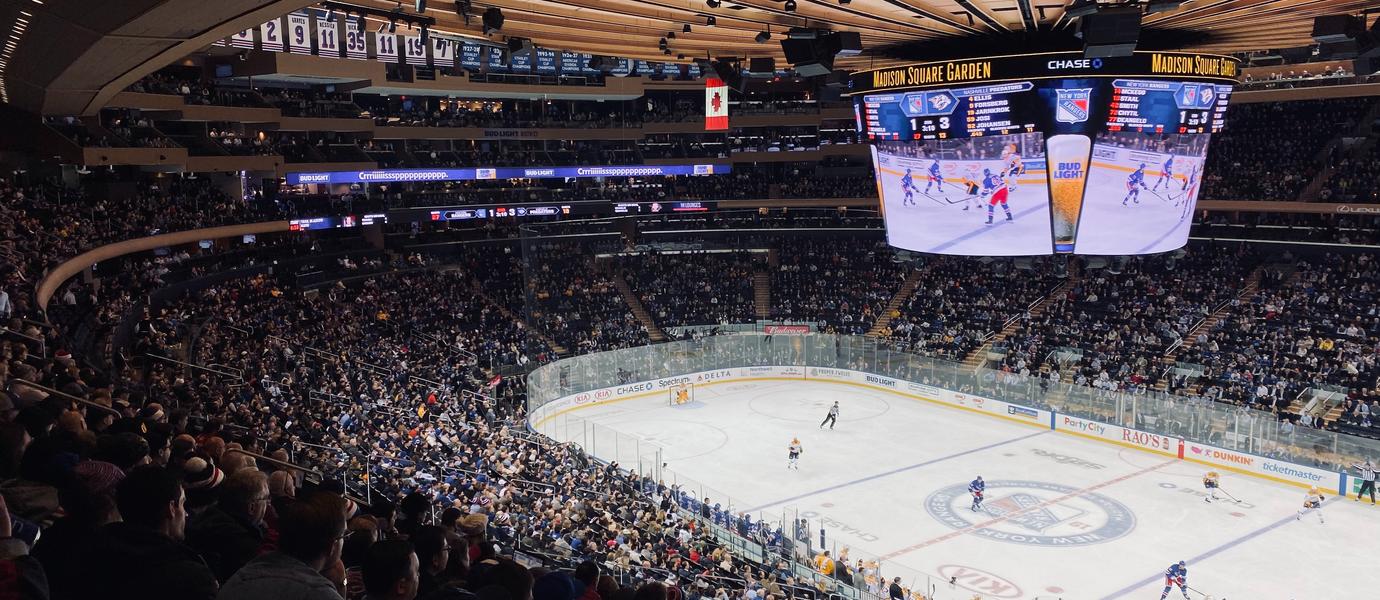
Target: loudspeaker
809	57
836	79
519	46
848	43
493	19
1335	29
761	67
729	73
1110	32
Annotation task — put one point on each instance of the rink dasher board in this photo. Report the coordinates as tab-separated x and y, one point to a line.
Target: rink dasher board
1212	456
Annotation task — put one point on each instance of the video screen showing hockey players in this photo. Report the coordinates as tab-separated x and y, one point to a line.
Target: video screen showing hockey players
984	196
1141	191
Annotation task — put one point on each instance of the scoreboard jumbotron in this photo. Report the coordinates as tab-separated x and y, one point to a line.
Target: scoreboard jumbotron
1065	136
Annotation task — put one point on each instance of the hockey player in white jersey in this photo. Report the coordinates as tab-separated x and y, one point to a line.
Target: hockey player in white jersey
793	454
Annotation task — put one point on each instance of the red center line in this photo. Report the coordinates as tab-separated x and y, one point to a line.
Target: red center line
976	526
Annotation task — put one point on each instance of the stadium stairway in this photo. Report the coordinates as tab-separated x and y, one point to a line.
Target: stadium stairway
503	310
638	310
978	357
1207	324
893	308
761	292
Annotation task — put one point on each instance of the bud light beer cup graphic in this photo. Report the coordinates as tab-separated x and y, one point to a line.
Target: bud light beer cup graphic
1067	160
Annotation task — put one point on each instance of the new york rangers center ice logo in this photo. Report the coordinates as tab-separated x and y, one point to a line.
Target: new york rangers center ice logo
1033	513
1071	106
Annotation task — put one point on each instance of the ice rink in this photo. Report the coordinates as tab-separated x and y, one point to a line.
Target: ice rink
1065	517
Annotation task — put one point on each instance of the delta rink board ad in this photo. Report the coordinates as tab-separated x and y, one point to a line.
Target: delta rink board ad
1213	456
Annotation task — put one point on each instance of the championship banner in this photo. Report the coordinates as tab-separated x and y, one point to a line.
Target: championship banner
299	34
497	61
442	52
471	56
414	50
386	47
715	104
327	39
546	61
243	39
271	36
355	45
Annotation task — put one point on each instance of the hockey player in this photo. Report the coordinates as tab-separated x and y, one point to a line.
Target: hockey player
935	178
993	185
1134	183
1166	175
1313	501
832	417
1014	167
1210	484
793	454
971	189
908	186
1176	574
1190	188
976	488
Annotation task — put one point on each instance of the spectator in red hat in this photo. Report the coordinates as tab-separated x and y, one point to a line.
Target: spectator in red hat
88	502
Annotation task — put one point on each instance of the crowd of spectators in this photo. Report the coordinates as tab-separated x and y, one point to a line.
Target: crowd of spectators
572	300
841	284
694	288
1314	328
1111	328
1354	179
960	302
1269	151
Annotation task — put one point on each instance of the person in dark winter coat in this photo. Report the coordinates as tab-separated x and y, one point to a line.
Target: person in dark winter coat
143	557
231	533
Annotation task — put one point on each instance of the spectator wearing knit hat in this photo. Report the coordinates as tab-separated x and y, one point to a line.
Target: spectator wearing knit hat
143	557
88	502
231	532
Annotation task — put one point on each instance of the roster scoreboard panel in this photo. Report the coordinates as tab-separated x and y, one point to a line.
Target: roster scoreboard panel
1161	92
1162	106
1000	109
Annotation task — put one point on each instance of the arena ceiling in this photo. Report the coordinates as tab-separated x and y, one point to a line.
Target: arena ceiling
892	30
69	56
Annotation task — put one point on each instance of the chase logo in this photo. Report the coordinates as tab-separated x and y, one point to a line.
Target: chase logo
1033	513
1072	106
1078	63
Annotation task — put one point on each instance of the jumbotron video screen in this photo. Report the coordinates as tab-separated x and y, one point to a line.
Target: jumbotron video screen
1042	153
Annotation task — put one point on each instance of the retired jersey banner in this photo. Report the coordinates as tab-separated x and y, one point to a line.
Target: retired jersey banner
442	52
355	45
271	36
414	50
299	34
715	104
386	47
327	39
243	39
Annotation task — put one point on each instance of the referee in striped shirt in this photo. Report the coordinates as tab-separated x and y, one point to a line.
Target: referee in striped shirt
1367	480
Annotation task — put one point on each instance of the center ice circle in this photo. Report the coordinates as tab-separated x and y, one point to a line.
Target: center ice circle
1033	513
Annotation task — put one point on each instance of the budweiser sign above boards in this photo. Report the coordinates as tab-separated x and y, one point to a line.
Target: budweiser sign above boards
715	104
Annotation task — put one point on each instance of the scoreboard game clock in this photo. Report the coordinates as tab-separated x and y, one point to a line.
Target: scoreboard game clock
1036	153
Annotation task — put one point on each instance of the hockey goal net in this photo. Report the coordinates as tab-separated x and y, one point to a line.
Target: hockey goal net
681	394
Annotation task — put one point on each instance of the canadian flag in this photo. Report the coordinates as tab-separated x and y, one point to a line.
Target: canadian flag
715	104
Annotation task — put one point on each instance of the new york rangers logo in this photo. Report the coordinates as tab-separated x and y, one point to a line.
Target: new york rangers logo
1071	106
